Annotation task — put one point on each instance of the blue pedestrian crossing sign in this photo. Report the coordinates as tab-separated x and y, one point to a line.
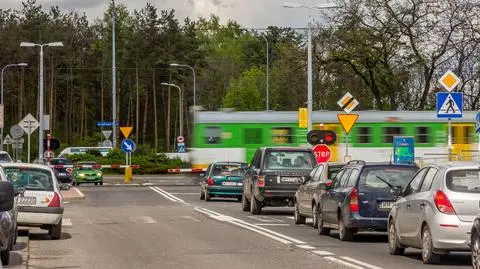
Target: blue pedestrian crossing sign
128	145
477	123
181	148
449	104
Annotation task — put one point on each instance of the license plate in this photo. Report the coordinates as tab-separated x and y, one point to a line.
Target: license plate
27	200
62	174
386	205
239	184
229	183
289	179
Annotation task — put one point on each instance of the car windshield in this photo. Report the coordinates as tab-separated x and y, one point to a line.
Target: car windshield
30	178
386	176
61	162
5	158
228	170
290	160
465	180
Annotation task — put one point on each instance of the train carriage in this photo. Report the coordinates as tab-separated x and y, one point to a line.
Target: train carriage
234	136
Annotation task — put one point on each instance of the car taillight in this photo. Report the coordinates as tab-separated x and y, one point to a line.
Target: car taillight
55	201
260	181
443	204
354	201
69	170
210	181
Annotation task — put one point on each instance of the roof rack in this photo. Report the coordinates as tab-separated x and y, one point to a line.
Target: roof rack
356	162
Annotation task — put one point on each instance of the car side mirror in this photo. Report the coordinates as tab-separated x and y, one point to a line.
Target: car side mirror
64	187
322	186
396	191
7	196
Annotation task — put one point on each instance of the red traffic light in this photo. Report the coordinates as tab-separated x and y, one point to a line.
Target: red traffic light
316	137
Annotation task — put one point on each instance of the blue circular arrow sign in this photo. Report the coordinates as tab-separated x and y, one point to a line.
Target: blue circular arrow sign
128	145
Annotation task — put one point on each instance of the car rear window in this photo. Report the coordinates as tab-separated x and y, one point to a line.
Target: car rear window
5	158
30	178
333	171
61	162
290	160
378	177
228	170
465	180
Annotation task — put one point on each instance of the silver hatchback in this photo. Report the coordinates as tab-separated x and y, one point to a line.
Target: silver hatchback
436	210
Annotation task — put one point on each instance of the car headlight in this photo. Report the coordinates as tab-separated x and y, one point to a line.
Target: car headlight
99	174
82	175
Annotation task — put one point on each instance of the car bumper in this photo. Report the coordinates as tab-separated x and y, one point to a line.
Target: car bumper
38	216
225	190
88	179
450	233
355	221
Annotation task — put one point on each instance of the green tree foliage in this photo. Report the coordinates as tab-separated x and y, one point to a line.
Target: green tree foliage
244	92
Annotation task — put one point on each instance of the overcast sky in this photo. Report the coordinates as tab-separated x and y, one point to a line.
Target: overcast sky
249	13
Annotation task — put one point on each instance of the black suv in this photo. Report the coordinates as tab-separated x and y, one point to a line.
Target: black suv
63	174
274	175
360	197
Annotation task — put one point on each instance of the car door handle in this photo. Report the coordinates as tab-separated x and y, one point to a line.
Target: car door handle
409	206
422	205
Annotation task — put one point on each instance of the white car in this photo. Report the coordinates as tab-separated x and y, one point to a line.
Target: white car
41	204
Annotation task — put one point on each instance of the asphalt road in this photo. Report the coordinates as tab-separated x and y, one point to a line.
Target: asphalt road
167	226
137	227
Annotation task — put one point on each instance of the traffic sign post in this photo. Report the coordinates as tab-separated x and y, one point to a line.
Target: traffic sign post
322	153
348	103
29	124
128	146
449	104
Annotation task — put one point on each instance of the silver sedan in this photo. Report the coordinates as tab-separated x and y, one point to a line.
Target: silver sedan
436	210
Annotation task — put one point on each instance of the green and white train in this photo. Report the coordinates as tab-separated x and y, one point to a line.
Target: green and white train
234	136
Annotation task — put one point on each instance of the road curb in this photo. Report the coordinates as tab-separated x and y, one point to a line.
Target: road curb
80	195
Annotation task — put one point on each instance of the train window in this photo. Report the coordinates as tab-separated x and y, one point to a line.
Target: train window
422	135
282	135
468	132
364	135
253	136
390	132
213	134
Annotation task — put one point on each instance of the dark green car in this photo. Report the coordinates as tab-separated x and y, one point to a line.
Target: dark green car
88	173
223	179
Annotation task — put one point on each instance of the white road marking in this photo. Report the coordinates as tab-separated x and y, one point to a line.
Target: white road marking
190	218
360	263
290	218
167	195
305	247
323	253
264	219
272	224
184	193
147	184
66	222
344	263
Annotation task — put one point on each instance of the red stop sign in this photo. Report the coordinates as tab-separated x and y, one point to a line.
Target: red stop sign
322	153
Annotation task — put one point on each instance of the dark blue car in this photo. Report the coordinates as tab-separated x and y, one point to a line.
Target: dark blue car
360	198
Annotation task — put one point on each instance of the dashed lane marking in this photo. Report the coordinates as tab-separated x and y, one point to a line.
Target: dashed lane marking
305	247
66	222
371	266
323	253
344	263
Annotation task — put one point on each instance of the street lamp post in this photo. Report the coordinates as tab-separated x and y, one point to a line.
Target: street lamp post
193	70
180	104
309	57
1	98
40	113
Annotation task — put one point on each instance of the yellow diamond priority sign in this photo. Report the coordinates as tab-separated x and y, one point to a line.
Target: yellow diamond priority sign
449	80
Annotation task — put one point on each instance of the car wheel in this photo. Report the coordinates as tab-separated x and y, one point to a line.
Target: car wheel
239	199
255	207
96	183
56	231
315	216
207	196
475	251
245	203
321	230
101	183
5	254
428	257
299	219
202	195
393	242
344	233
